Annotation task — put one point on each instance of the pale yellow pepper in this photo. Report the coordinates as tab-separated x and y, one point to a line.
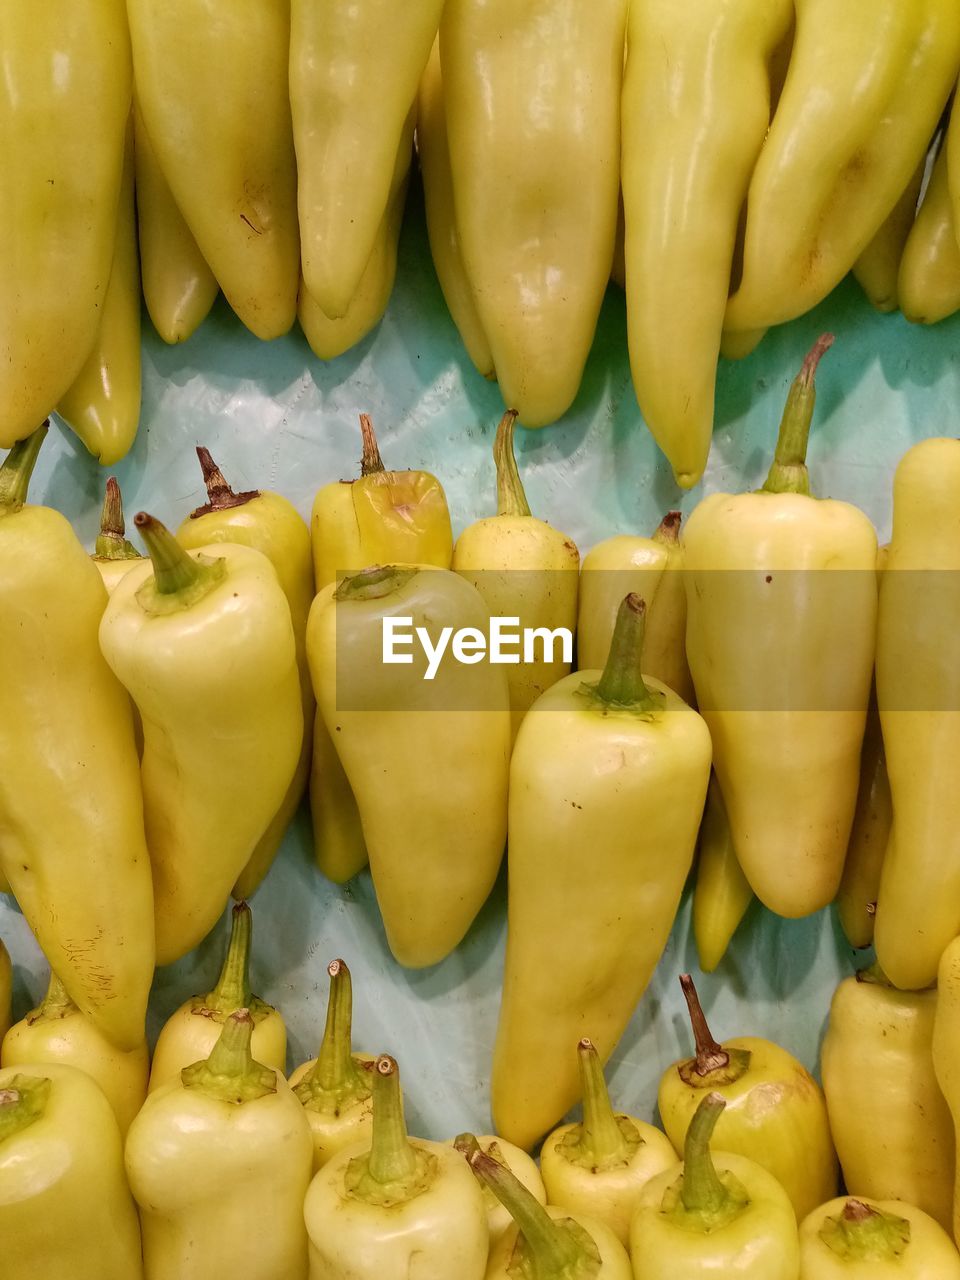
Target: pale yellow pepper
722	894
946	1053
878	267
869	833
6	989
929	280
861	1239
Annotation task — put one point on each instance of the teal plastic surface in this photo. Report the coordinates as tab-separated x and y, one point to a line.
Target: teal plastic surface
275	417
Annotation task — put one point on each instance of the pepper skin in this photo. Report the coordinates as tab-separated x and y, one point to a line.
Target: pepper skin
651	568
434	153
267	522
523	568
535	159
395	1207
716	1214
857	895
212	91
863	94
775	1114
65	1209
930	267
890	1123
178	286
686	170
354	71
607	785
878	267
775	580
864	1239
918	691
946	1052
191	1031
71	813
56	1031
599	1167
102	406
64	104
219	1162
186	633
426	759
722	894
6	989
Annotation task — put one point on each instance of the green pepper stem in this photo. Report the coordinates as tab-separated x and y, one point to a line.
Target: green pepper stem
511	498
667	532
622	682
335	1065
220	497
555	1252
233	986
711	1056
179	580
374	583
392	1159
861	1233
601	1138
370	460
17	469
788	472
111	543
23	1099
702	1191
230	1073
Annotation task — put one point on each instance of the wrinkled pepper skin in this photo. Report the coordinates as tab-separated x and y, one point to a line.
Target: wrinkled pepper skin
270	524
211	786
877	270
918	692
71	813
65	1209
64	104
929	280
946	1052
890	1123
354	71
434	153
536	170
606	793
686	170
178	286
427	760
102	406
863	94
866	1239
56	1031
212	90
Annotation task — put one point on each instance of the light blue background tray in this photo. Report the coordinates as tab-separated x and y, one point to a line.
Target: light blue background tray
275	417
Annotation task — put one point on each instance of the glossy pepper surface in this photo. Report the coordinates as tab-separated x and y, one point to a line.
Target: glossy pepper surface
607	784
184	633
535	160
775	581
722	894
64	104
861	1239
929	280
71	814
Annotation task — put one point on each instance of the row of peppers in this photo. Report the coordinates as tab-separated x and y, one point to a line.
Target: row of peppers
211	1138
130	809
759	151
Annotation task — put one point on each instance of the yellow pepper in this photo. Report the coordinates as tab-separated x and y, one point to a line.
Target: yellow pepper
946	1052
434	153
524	570
545	1243
178	286
532	96
929	280
775	1112
336	1087
212	91
354	71
713	1215
427	758
219	1163
722	894
878	267
385	517
524	1169
686	168
65	1209
6	990
102	405
857	895
599	1167
607	785
889	1120
865	88
267	522
650	567
775	581
918	691
398	1208
71	814
191	1031
205	647
56	1031
113	555
64	104
865	1239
